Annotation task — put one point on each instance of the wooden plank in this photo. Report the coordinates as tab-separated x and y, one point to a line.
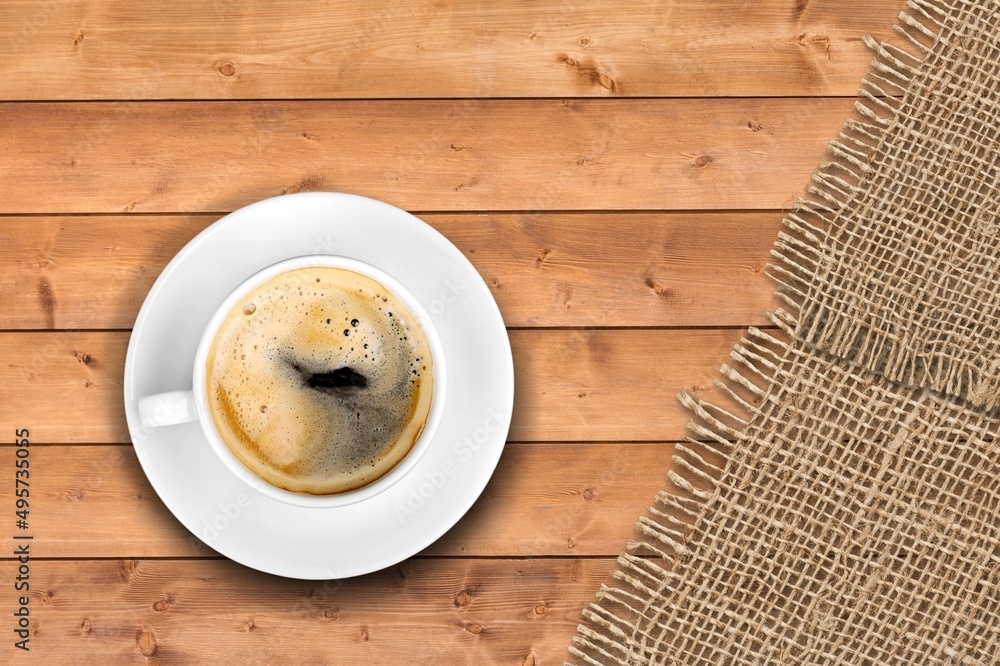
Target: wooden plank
607	269
423	611
572	385
64	386
97	49
531	155
581	385
544	499
561	499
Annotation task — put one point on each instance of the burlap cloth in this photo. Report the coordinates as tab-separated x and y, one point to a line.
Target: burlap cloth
844	507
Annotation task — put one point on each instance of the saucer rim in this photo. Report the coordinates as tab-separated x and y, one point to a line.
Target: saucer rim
474	484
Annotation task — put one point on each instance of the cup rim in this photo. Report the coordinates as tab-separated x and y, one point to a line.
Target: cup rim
404	466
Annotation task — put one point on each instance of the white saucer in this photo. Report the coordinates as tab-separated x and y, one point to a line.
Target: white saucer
230	515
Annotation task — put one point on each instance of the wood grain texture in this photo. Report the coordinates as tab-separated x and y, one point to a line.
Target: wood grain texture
603	165
64	386
582	385
98	49
543	499
571	385
529	155
422	611
604	269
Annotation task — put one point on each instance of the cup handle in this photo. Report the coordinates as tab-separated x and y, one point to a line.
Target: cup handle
168	408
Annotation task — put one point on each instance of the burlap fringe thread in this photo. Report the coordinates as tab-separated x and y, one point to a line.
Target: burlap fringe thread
609	637
924	312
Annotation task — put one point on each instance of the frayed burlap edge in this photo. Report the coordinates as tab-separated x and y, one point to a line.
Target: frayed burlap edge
866	317
716	430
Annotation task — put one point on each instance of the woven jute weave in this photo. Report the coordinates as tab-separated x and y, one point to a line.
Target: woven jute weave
841	503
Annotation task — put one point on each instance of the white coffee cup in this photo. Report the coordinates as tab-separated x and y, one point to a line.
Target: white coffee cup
184	406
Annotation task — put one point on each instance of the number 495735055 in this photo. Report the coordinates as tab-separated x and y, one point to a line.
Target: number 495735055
22	473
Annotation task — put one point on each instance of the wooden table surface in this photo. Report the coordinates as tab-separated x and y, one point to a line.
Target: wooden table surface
616	172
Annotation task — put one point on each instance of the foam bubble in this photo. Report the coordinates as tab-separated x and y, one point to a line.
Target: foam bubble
342	369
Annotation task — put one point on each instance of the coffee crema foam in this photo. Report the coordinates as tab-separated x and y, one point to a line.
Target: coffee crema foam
320	380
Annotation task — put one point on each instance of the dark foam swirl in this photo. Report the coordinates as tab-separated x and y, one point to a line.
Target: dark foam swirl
320	380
